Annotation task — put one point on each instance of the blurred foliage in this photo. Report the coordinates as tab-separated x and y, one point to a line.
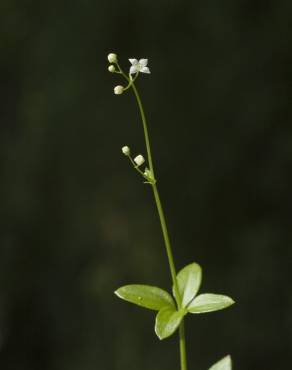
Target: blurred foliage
77	222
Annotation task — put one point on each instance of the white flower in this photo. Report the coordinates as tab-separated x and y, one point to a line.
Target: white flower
139	160
111	68
118	90
112	58
139	66
126	150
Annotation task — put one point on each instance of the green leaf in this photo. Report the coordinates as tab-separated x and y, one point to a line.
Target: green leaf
167	321
224	364
146	296
209	302
189	281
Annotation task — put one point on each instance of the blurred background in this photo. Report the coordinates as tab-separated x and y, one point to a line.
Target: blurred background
76	220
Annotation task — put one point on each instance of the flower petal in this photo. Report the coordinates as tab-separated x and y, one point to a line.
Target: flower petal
134	69
133	61
145	70
143	62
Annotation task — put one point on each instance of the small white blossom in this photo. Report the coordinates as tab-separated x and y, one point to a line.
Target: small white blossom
139	66
111	68
112	58
126	150
118	90
139	160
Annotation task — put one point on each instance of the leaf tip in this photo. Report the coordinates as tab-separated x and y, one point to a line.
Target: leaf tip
224	364
117	293
157	332
230	302
159	336
228	361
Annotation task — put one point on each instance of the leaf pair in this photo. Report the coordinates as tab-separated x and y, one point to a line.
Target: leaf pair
169	317
189	280
154	298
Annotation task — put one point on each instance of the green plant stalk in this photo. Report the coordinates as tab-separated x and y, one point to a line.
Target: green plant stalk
182	346
182	342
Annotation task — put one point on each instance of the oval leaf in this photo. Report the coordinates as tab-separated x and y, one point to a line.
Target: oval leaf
167	321
146	296
224	364
189	281
209	302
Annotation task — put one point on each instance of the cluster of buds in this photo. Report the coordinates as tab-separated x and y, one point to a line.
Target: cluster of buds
137	162
137	66
113	60
139	159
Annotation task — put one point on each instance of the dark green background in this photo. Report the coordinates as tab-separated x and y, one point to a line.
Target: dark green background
76	220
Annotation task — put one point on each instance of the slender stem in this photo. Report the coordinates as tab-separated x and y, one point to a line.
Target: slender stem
157	197
182	342
182	346
166	241
146	135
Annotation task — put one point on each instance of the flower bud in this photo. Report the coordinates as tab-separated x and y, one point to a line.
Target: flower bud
118	90
111	68
147	172
112	58
126	150
139	160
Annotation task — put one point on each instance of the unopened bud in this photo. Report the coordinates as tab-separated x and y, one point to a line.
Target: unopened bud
139	160
112	58
126	150
118	90
111	68
147	172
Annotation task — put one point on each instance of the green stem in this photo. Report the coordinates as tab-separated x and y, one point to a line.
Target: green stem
182	346
182	342
146	135
166	241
